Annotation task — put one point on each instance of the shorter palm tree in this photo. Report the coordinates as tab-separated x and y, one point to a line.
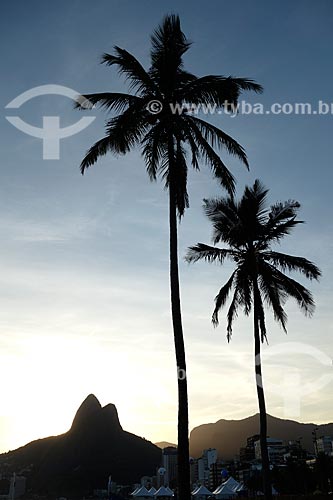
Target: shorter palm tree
249	229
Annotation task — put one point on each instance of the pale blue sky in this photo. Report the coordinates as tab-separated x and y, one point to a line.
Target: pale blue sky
84	261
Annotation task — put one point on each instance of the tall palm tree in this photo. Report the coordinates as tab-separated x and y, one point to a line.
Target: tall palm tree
149	118
249	229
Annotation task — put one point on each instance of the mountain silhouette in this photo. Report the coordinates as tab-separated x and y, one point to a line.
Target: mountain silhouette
228	436
91	411
82	459
96	446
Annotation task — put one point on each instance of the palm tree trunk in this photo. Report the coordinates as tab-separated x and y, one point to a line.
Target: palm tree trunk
261	398
184	492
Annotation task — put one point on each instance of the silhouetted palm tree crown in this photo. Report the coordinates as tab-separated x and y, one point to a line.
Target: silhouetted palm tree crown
168	83
250	229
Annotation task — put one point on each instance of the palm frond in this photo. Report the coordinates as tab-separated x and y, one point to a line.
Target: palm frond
226	207
292	263
128	129
132	69
169	44
254	199
274	232
232	314
221	172
294	289
243	283
211	91
123	132
216	91
209	253
100	148
184	78
223	213
248	84
273	293
252	212
189	139
282	211
216	137
154	149
221	299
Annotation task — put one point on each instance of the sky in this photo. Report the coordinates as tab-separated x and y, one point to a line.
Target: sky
84	260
